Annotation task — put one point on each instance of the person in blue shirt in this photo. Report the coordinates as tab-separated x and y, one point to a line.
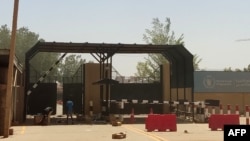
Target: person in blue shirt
69	106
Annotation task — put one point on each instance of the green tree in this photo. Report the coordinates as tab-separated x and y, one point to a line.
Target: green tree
71	64
160	34
196	61
4	37
42	62
229	69
247	69
25	40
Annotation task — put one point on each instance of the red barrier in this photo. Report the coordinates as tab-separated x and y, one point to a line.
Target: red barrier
218	121
152	122
161	122
168	122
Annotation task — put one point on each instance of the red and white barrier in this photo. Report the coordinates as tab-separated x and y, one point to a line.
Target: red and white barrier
189	108
228	109
229	112
247	115
132	116
213	110
91	108
221	109
151	111
237	112
195	108
206	111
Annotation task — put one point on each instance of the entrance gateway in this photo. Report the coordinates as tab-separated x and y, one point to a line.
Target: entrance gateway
179	87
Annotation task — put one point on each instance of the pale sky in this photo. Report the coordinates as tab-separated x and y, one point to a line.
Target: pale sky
210	27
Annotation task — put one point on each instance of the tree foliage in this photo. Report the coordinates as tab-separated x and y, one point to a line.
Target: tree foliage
229	69
196	61
160	34
43	61
4	37
25	39
246	69
70	65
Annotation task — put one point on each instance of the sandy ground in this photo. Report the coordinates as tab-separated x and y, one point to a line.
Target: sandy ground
103	132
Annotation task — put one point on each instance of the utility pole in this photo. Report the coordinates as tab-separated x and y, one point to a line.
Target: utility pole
8	96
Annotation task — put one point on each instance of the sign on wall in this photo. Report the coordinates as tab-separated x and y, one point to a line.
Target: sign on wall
220	81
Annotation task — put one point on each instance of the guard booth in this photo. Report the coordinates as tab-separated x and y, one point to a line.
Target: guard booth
18	88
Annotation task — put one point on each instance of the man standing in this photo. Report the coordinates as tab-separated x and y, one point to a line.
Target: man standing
69	106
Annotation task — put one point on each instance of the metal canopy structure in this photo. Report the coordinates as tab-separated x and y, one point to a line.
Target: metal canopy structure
60	47
181	60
